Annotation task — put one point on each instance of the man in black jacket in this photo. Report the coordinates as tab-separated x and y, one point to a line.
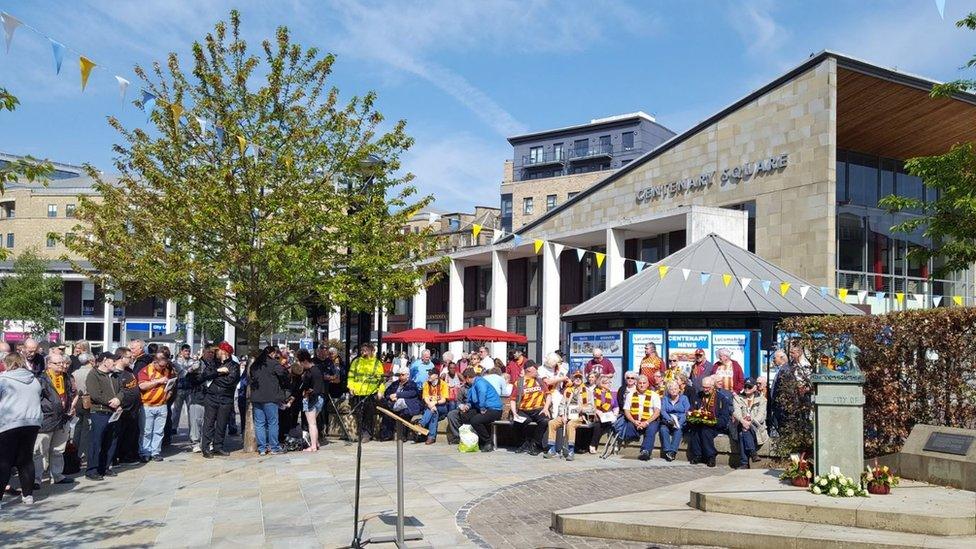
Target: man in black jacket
128	423
269	388
220	381
57	405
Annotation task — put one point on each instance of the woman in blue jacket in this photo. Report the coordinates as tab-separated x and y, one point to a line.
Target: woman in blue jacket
674	411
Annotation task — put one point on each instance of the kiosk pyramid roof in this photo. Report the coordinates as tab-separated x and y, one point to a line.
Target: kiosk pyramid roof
647	293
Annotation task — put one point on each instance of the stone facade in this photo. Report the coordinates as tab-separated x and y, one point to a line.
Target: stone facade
460	236
31	223
795	204
539	189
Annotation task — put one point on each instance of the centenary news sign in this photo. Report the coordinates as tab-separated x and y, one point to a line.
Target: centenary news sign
706	179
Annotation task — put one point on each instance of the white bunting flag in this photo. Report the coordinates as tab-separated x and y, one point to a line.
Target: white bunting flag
499	234
936	300
803	291
432	218
10	24
744	282
202	122
862	296
685	273
580	253
920	299
123	86
557	249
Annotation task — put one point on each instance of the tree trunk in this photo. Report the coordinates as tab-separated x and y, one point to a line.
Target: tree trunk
253	331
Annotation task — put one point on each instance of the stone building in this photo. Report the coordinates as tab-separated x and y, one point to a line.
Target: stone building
792	171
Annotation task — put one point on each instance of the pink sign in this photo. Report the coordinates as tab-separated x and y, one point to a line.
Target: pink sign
14	337
54	337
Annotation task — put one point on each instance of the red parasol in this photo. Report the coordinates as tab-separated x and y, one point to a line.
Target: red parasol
414	335
481	333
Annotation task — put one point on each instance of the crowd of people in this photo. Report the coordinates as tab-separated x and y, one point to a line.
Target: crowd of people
120	408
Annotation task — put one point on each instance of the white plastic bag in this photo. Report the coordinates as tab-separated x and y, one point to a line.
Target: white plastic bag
469	439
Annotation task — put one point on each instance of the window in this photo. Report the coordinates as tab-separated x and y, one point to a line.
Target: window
557	151
581	146
572	195
527	205
862	180
52	210
10	240
627	140
535	155
69	210
550	202
507	212
605	145
51	242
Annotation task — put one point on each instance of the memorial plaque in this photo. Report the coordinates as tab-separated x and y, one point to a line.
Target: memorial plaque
948	443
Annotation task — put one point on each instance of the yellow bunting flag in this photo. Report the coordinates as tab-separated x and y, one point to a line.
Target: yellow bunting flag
86	67
288	162
662	270
957	299
599	259
475	230
538	245
726	279
783	288
842	294
241	144
177	110
899	297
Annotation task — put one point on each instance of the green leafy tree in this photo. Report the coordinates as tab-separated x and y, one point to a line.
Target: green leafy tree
29	295
950	220
255	208
255	188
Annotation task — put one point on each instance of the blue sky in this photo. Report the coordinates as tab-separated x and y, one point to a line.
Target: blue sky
466	74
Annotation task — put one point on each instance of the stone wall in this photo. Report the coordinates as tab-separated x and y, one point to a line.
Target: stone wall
795	205
31	224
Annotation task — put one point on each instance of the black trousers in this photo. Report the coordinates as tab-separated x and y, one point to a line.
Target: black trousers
215	418
481	423
366	413
242	411
598	429
127	428
17	450
104	442
701	442
529	433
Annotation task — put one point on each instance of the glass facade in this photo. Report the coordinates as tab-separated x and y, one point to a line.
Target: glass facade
870	256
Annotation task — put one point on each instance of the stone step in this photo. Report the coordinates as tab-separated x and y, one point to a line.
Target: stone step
914	507
664	516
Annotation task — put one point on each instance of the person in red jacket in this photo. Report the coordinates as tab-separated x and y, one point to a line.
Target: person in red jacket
728	373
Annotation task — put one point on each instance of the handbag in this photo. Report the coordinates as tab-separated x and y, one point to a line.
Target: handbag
72	463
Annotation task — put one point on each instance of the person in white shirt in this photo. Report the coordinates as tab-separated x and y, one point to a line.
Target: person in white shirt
487	362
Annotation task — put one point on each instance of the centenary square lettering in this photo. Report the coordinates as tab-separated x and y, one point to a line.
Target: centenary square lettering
728	176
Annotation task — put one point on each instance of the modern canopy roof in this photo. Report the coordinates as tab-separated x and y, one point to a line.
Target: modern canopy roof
647	293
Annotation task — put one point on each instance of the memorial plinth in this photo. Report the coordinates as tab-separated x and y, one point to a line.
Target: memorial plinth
838	423
939	455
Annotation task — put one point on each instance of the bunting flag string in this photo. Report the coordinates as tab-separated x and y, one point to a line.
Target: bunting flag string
599	259
726	279
557	250
580	254
123	86
10	24
936	300
862	296
899	297
538	245
823	291
685	273
803	291
783	288
705	277
744	282
662	270
58	50
765	285
86	65
640	265
842	294
475	230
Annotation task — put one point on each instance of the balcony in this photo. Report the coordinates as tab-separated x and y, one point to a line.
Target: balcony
549	158
592	153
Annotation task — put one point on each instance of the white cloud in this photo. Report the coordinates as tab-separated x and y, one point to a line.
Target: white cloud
460	170
757	27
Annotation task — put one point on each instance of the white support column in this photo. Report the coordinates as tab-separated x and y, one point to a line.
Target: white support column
419	319
170	316
615	257
550	300
107	318
190	329
455	304
499	301
335	324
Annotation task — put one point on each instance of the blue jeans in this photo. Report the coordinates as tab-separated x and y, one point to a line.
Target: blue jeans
430	419
266	425
670	437
103	443
152	423
747	445
628	432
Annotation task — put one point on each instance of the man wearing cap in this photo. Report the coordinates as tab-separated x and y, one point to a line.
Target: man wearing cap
749	427
700	369
220	379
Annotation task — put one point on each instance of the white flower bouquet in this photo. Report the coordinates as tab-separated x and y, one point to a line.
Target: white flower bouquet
835	484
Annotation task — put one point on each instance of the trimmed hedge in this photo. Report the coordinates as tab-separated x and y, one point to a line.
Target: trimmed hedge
919	367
